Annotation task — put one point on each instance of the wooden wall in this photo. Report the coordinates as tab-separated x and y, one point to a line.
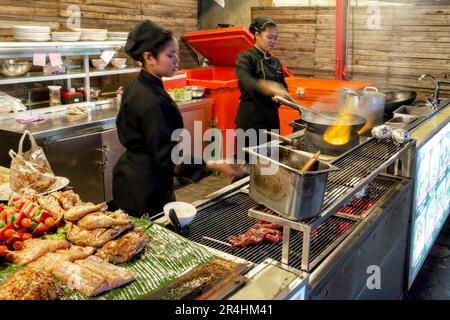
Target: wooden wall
176	15
413	40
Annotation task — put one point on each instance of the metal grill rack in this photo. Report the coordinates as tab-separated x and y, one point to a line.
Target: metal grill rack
230	217
358	167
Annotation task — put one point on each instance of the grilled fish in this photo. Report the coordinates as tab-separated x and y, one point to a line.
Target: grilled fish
33	249
102	220
81	279
97	237
77	212
115	276
51	260
123	249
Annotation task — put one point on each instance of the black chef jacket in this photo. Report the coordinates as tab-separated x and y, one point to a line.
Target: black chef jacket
143	176
255	110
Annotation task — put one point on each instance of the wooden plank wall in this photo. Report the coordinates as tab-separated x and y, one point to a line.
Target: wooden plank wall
413	40
176	15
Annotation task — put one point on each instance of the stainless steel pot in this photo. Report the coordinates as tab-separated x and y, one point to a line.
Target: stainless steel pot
368	103
277	182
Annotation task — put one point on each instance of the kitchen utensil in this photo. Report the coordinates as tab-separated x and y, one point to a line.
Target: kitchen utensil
185	212
305	111
395	99
309	166
14	68
174	221
99	64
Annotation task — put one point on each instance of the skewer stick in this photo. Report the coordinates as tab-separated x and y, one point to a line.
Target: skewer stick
217	241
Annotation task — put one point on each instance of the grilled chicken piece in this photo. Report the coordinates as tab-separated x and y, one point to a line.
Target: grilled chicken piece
97	237
102	220
82	279
115	276
78	212
29	284
67	199
124	248
50	204
33	249
50	261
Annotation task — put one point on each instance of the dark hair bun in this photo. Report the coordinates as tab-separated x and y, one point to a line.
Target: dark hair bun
141	38
260	24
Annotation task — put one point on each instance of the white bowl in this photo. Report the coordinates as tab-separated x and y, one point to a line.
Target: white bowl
120	66
99	64
116	62
185	212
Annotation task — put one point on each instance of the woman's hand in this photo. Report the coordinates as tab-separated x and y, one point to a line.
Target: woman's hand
227	168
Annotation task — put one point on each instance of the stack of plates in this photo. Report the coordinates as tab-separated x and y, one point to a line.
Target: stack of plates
118	36
31	33
94	34
66	36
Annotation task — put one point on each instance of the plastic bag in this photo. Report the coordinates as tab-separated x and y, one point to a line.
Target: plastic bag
10	104
30	169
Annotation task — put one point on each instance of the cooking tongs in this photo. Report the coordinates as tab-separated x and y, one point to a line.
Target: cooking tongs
303	109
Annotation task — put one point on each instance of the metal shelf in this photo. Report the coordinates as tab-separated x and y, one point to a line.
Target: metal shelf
26	49
112	71
39	76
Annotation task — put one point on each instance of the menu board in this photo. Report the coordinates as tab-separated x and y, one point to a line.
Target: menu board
431	197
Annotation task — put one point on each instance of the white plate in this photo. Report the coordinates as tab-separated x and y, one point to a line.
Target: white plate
32	39
31	29
31	34
117	34
93	30
5	191
66	33
65	39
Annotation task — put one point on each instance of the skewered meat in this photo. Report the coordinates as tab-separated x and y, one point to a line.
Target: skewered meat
97	237
261	231
124	248
102	220
82	279
115	276
52	205
67	199
33	249
51	260
79	211
29	284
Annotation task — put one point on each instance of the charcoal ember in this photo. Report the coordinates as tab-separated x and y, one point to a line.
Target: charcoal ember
381	132
401	135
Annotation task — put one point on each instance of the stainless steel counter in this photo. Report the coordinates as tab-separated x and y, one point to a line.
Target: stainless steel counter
100	117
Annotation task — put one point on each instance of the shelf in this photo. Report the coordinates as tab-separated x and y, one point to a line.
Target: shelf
25	49
39	76
111	71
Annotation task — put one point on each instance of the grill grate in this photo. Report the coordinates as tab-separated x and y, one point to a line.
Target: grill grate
375	191
230	217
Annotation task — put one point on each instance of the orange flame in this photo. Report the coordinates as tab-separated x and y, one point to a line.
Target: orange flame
339	133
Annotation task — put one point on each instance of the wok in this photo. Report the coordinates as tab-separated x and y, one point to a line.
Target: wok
319	122
395	99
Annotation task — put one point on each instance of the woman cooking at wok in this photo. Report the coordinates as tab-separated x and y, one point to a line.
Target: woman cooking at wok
143	176
260	77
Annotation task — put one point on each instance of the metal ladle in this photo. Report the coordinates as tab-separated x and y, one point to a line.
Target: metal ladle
303	109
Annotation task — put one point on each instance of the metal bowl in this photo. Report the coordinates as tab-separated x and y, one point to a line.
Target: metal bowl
14	68
197	91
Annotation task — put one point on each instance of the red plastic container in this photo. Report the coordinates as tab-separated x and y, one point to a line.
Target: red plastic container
221	47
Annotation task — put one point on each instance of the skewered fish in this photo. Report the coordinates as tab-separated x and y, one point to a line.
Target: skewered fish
77	212
103	220
29	284
124	248
97	237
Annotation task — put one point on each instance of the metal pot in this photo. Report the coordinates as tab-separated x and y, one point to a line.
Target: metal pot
368	103
197	91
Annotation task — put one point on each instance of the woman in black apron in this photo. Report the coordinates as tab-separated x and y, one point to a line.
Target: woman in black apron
260	77
143	176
